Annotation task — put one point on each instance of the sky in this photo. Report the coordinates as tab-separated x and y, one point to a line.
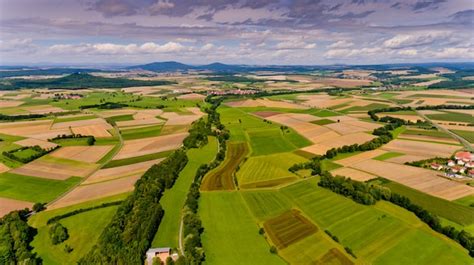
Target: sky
255	32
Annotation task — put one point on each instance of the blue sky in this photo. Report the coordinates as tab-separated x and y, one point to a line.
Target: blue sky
229	31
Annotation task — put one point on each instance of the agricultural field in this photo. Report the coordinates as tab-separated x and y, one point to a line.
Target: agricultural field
222	177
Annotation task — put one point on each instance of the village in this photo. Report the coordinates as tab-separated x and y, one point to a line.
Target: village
462	166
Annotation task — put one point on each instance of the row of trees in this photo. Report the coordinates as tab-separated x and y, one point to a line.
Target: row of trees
90	138
15	238
368	194
192	224
130	233
38	152
81	210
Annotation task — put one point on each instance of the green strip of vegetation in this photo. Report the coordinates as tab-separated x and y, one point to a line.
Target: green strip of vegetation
136	159
387	155
468	135
323	122
144	132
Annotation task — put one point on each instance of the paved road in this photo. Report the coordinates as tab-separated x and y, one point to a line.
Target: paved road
463	141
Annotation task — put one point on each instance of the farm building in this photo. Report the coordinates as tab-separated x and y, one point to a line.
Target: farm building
436	166
160	253
464	156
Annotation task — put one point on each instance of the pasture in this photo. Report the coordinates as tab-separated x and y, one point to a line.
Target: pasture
142	132
452	117
33	189
174	198
468	135
136	159
236	223
270	170
288	228
84	229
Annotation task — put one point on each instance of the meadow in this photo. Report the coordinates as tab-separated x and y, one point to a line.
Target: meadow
388	155
136	159
234	239
7	144
83	229
274	168
143	132
468	135
33	189
173	199
452	117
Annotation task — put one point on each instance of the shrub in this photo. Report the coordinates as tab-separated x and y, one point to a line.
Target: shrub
58	233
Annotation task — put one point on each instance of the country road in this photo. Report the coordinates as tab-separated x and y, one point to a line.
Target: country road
463	141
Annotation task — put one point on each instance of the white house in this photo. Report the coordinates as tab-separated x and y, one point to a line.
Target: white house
160	253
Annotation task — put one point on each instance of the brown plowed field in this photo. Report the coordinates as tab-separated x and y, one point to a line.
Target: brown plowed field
353	174
33	142
89	154
420	148
8	205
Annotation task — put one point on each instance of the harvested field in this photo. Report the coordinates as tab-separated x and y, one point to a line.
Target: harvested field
119	172
59	169
348	139
265	103
427	83
353	174
10	103
420	148
42	109
89	154
412	118
139	122
139	147
456	127
334	256
265	114
177	119
323	100
35	129
192	96
406	158
288	228
8	205
428	138
33	142
99	130
3	168
117	112
344	83
421	179
222	177
81	123
95	191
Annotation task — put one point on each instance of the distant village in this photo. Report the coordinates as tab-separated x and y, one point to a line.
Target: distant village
462	166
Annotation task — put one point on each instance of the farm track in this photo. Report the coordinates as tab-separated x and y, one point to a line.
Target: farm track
88	175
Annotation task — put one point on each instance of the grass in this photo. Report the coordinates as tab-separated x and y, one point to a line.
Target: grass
173	199
288	228
271	141
323	122
7	145
328	165
431	133
84	230
126	117
266	203
452	117
230	232
371	106
25	153
455	212
372	231
388	155
467	135
264	168
136	159
325	113
71	141
94	98
222	177
33	189
73	118
144	132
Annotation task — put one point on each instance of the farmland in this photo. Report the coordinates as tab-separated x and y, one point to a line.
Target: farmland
222	177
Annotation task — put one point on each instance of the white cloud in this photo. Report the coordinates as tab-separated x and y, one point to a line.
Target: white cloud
416	39
454	53
295	44
19	45
350	53
341	44
408	52
112	49
207	47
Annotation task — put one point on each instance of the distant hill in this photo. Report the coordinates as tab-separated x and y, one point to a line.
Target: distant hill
77	81
23	71
162	67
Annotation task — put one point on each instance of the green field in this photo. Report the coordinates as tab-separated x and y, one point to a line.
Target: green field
273	168
388	155
25	153
7	145
126	117
94	98
71	141
452	117
173	199
455	212
431	133
266	203
136	159
371	106
144	132
33	189
372	230
84	229
222	177
230	232
328	165
323	122
74	118
468	135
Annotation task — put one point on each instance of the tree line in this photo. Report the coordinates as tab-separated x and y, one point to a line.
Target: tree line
90	138
39	152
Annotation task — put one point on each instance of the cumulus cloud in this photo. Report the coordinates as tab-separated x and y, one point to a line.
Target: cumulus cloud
113	49
341	44
454	53
18	45
416	39
294	45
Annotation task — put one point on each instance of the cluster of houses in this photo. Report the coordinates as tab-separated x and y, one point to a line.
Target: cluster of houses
462	165
233	92
159	255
